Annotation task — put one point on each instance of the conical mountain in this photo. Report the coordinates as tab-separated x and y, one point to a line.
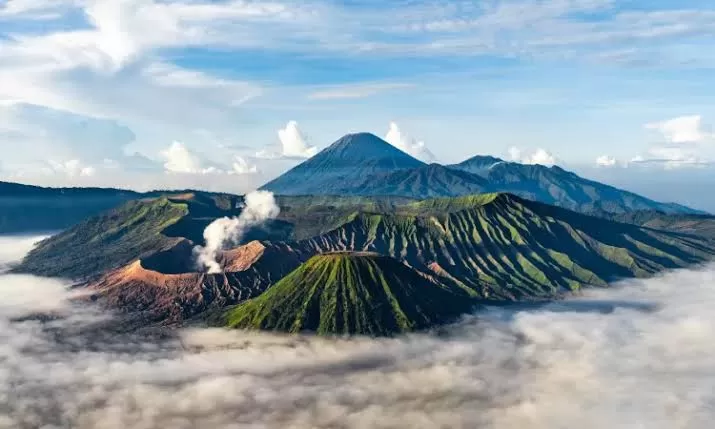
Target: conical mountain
341	165
350	293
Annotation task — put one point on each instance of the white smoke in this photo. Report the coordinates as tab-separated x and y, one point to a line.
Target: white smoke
258	207
636	356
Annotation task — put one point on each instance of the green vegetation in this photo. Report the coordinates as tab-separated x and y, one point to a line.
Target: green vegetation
495	247
350	293
106	241
502	247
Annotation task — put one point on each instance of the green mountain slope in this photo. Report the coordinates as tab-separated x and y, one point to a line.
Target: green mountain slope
506	247
350	293
106	241
131	231
144	226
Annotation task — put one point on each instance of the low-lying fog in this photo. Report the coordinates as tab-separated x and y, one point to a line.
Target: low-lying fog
638	356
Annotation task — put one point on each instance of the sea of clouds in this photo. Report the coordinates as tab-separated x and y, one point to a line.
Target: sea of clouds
637	356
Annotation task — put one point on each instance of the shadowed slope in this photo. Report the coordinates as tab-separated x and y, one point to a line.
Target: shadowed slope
554	185
429	181
25	208
350	293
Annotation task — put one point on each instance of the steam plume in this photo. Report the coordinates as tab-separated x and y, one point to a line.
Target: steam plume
259	206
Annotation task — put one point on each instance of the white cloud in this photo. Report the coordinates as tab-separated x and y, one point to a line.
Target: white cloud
687	143
241	166
539	156
179	159
671	157
234	92
293	142
396	137
683	129
647	343
292	145
112	59
72	168
35	9
606	161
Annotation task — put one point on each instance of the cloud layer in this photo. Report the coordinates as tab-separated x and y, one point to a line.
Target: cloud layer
636	356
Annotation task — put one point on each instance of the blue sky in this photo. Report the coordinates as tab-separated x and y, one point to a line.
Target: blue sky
152	93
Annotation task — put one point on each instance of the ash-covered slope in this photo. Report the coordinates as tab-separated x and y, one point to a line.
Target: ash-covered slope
164	288
350	293
341	166
554	185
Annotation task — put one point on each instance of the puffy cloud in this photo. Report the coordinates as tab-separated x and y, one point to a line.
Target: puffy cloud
241	166
293	142
293	145
396	137
687	143
683	129
671	157
539	156
606	161
72	168
179	159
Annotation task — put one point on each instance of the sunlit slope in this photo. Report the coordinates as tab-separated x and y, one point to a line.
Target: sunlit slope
503	247
350	293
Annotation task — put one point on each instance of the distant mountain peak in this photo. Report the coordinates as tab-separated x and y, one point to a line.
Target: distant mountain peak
347	161
366	146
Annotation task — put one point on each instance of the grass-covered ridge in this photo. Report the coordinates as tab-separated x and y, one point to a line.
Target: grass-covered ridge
350	293
131	231
106	241
500	246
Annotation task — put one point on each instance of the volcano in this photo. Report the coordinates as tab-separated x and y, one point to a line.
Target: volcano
342	165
